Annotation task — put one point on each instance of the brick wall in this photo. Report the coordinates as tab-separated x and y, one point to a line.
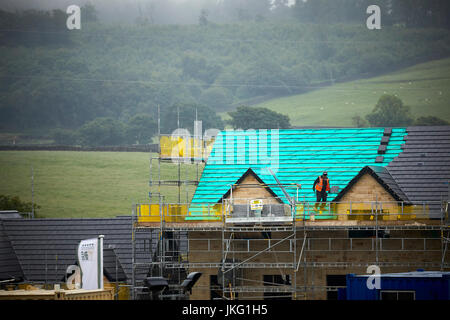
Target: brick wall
317	276
364	191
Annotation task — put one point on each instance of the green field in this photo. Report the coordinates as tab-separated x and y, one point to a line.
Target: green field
106	184
424	87
83	184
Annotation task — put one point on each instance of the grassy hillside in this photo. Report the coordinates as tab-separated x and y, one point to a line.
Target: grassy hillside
82	184
424	87
66	79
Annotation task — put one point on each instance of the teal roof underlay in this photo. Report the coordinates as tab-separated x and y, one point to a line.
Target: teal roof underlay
296	156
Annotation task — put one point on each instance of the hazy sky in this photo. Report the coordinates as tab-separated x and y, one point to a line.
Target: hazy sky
61	4
118	10
51	4
126	11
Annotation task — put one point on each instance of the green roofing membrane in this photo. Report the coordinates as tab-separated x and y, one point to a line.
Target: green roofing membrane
295	156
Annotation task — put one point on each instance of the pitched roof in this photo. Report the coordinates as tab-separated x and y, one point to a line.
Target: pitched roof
383	177
46	247
245	175
112	268
296	156
9	265
422	169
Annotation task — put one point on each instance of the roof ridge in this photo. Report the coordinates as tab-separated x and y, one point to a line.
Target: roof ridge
72	219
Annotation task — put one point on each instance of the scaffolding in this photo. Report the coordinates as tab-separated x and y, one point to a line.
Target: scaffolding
181	150
293	250
182	181
274	250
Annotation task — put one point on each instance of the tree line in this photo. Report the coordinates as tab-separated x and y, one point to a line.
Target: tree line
140	128
65	80
390	111
409	13
15	203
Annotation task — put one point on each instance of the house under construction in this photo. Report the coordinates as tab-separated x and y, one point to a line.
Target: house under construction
251	225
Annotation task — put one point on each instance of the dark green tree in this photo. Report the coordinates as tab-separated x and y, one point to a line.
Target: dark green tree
246	10
140	129
258	118
430	121
203	19
65	136
47	83
183	116
89	13
390	112
14	203
421	13
102	132
196	66
359	122
216	98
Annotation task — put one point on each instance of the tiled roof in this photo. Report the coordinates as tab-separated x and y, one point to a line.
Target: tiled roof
46	247
382	175
112	268
296	157
413	162
9	265
422	169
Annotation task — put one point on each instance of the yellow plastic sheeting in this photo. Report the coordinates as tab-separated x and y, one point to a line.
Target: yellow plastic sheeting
204	212
170	147
170	212
208	147
180	147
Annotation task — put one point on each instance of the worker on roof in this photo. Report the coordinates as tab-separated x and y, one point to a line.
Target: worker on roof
321	187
